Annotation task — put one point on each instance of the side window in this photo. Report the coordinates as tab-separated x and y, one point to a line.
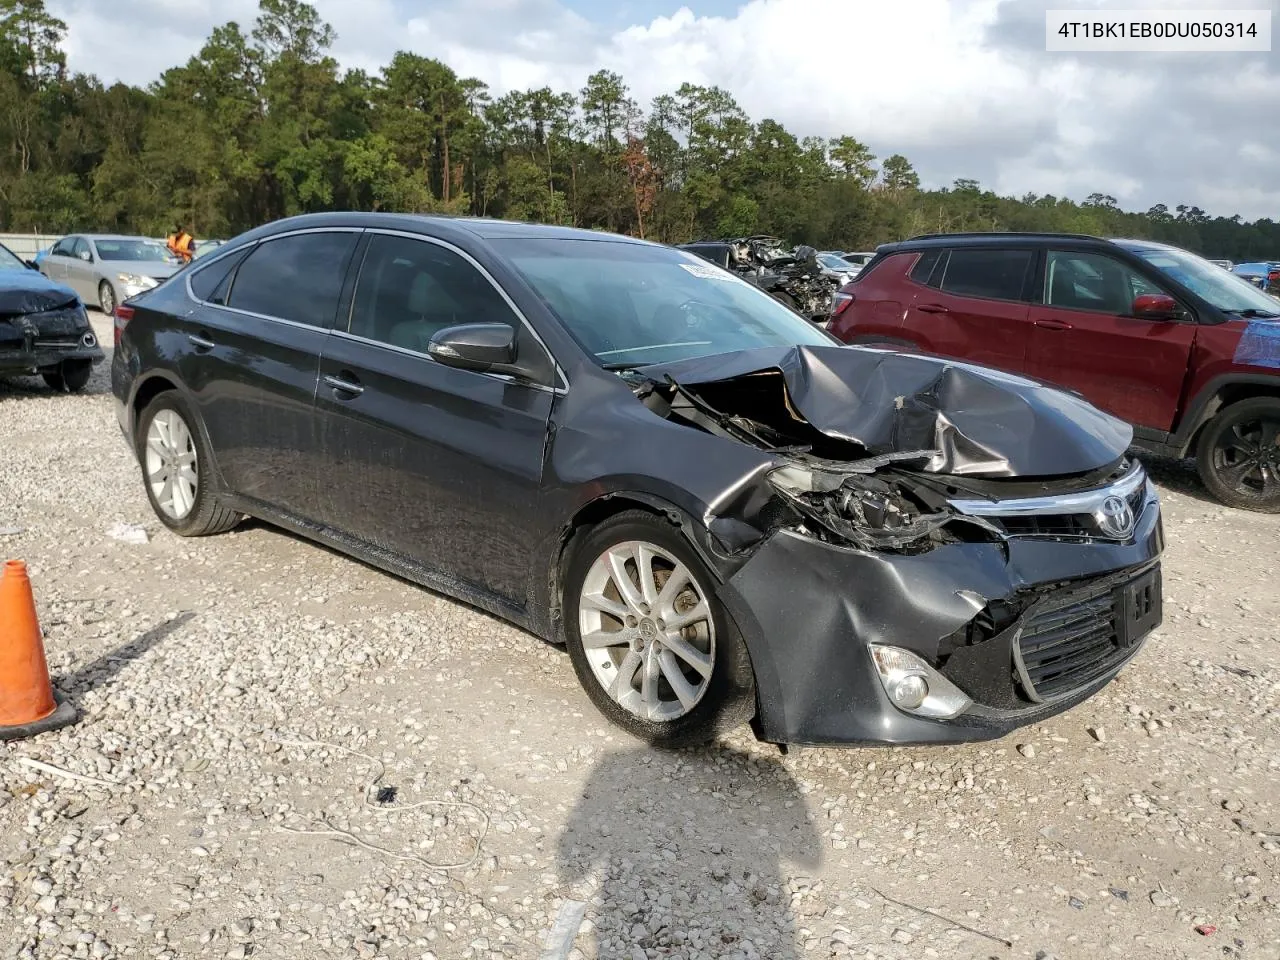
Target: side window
989	274
1077	280
62	248
210	283
924	266
410	289
296	278
80	248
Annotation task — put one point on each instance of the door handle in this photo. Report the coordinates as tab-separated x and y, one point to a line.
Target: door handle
201	342
932	308
344	386
1052	324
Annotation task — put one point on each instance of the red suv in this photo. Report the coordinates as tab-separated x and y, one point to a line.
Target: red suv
1185	351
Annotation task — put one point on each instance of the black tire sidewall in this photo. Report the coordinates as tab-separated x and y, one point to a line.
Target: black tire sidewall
205	500
730	699
1210	438
75	374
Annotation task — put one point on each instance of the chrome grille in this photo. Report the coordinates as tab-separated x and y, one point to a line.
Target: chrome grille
1070	515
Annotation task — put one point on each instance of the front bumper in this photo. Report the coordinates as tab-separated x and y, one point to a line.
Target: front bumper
809	612
30	344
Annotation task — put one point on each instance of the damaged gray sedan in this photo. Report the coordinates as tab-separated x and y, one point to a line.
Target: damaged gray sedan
725	515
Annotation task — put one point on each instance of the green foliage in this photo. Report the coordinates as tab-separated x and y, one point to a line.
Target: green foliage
262	123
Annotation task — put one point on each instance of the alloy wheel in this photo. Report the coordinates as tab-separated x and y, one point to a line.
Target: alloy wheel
107	299
647	631
1247	457
171	464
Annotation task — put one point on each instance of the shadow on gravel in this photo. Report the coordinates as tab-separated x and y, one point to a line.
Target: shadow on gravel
688	850
1177	475
100	671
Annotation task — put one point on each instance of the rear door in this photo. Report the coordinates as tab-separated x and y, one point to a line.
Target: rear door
79	267
1084	337
436	464
250	353
974	306
54	265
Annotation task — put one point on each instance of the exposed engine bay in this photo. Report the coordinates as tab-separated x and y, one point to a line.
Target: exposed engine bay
793	277
878	468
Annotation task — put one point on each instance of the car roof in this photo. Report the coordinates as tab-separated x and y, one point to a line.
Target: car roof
990	238
485	228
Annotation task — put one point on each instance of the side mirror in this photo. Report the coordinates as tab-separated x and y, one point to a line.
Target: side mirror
1156	306
86	256
475	346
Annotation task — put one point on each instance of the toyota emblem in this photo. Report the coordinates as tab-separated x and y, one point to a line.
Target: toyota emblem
1115	518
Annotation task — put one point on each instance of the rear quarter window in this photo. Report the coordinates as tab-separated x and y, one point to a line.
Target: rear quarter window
987	274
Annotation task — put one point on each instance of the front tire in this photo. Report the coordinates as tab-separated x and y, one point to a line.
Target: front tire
107	298
652	646
177	470
70	376
1238	455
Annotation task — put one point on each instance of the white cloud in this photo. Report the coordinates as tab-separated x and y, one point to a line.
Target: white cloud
964	88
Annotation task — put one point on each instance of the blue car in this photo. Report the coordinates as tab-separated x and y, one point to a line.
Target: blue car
46	331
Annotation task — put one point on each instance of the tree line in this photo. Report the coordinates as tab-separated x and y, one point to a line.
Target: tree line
265	124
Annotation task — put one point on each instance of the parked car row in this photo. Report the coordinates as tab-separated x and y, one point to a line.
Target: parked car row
1187	353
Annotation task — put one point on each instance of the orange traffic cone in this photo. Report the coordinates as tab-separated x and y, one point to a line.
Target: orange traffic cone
27	703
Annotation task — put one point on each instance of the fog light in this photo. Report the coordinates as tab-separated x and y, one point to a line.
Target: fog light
909	692
915	687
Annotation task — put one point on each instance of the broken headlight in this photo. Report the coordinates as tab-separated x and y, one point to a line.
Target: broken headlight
866	510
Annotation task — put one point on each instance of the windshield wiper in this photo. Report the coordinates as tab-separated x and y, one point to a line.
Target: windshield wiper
1253	313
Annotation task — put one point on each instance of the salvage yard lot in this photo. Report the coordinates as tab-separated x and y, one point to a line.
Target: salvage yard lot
208	670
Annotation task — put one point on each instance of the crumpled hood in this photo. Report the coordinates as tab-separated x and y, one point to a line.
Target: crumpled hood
26	291
978	421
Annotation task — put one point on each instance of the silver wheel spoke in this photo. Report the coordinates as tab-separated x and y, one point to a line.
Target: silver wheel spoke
644	569
689	654
598	601
678	580
649	684
602	639
699	611
684	690
618	558
622	684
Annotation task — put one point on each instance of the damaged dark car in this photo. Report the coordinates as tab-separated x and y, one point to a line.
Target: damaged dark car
726	516
43	328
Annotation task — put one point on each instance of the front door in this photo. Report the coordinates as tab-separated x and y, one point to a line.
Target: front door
975	307
80	273
436	464
250	361
1084	337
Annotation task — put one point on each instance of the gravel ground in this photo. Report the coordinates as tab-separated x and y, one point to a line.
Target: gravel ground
241	690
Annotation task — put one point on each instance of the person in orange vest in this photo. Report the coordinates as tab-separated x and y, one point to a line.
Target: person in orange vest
181	244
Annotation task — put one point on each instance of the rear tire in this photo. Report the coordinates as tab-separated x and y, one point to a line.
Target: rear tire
667	666
1238	455
70	376
177	469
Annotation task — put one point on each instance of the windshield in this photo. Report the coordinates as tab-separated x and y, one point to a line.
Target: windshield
147	250
632	304
10	261
1224	290
834	262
